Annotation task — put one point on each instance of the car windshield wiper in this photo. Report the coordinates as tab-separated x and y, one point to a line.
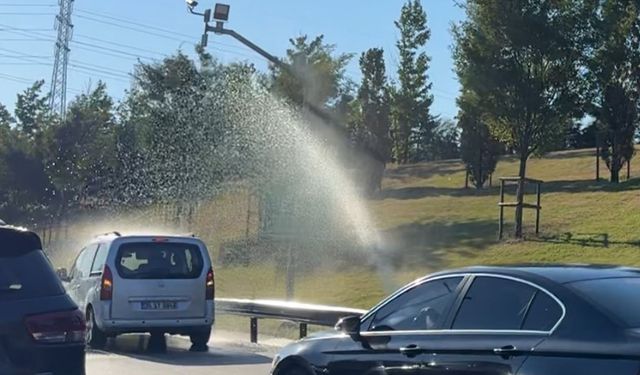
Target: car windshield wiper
11	288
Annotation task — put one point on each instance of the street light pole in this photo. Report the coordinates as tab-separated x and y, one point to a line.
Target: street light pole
220	15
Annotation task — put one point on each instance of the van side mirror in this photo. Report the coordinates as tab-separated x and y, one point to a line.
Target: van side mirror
349	325
63	274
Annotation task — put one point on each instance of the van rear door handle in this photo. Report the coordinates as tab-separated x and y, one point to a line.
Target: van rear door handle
411	350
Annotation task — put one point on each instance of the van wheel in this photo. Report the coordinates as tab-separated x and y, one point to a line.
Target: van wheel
95	338
200	340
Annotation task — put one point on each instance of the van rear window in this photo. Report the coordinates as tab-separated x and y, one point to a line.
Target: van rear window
159	260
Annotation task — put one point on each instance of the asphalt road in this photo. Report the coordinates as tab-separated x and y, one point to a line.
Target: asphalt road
229	356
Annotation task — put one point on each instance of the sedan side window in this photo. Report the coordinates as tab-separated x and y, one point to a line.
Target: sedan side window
493	303
543	314
423	307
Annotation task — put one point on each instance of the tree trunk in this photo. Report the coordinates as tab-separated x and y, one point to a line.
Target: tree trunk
615	175
520	195
615	165
628	169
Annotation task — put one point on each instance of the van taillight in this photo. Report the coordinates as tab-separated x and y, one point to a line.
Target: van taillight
210	285
58	327
106	285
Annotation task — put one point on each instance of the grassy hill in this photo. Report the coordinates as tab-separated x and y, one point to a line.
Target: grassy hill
429	221
582	220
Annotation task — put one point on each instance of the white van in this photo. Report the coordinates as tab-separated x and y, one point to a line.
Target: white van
155	284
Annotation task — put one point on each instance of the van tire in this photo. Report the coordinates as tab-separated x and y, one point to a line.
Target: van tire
96	339
200	340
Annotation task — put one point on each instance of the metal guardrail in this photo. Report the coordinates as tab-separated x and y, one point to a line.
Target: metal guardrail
301	313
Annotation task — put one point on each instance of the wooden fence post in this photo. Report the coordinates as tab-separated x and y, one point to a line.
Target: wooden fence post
538	208
597	163
501	220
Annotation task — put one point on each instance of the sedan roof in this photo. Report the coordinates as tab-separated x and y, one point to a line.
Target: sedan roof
559	273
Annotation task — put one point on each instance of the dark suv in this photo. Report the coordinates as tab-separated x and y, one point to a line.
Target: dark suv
41	329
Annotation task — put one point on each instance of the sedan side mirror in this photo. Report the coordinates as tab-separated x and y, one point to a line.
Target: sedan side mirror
349	325
63	274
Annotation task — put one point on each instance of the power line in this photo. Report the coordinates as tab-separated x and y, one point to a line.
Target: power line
152	27
144	30
98	69
25	14
131	22
15	78
23	40
22	56
129	28
119	44
17	53
77	64
90	73
114	50
27	5
25	63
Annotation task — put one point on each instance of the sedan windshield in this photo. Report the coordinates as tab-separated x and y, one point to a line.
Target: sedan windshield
619	296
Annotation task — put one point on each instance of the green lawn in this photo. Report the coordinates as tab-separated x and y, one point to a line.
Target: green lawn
430	222
582	221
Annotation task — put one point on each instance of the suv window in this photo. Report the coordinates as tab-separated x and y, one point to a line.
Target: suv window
493	303
159	260
100	259
423	307
18	280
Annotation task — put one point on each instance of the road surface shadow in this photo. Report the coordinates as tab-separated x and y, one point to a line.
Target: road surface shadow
177	353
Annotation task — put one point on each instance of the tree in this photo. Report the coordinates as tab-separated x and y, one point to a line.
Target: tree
478	148
321	69
615	78
32	112
370	122
581	136
445	143
23	180
413	125
82	150
522	59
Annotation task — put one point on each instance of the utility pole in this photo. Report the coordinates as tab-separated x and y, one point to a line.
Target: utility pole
58	99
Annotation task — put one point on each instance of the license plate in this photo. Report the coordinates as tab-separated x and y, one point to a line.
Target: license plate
158	305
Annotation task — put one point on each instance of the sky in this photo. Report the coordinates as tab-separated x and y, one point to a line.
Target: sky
110	36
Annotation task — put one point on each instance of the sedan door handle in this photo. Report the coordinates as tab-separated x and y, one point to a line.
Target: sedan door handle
411	350
505	351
